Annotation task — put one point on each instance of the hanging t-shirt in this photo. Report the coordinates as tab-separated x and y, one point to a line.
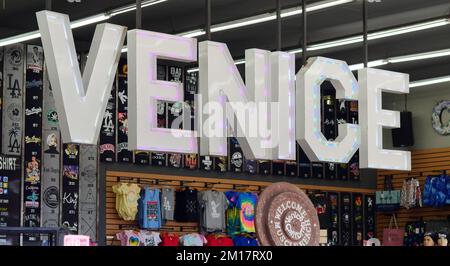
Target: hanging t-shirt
245	241
186	206
193	240
129	238
212	205
170	240
219	241
149	239
232	213
150	209
247	204
167	203
127	196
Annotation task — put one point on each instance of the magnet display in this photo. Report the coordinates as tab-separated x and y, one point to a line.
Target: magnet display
70	187
369	217
346	219
33	138
334	229
123	154
13	84
108	130
358	221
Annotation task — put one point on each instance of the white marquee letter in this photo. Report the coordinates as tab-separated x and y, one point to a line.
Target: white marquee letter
80	103
144	48
373	118
309	134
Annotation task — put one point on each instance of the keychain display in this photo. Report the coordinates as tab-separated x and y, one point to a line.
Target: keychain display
123	154
369	216
33	137
342	118
334	229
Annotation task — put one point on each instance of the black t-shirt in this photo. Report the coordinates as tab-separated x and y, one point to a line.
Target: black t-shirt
321	204
186	206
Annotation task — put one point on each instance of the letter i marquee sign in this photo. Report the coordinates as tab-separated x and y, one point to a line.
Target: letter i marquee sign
269	114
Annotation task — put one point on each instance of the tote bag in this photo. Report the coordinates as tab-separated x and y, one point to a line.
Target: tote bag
393	237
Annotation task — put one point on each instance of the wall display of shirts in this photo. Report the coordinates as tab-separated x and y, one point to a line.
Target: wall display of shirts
342	118
123	154
291	168
138	238
33	137
70	187
142	157
321	203
13	84
236	156
108	130
10	196
175	160
158	159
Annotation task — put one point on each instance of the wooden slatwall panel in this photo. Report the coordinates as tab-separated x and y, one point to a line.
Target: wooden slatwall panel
115	224
424	163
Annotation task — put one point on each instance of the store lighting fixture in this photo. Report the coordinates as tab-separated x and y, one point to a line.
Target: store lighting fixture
421	56
432	81
79	23
132	7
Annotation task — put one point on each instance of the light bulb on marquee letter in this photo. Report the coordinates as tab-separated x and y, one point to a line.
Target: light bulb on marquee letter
80	102
144	90
309	134
373	118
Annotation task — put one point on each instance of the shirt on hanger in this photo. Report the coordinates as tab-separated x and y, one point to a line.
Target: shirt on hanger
213	205
219	241
245	241
186	206
127	196
170	240
167	204
232	213
247	204
150	209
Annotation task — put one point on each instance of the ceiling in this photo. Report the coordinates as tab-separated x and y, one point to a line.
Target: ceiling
176	16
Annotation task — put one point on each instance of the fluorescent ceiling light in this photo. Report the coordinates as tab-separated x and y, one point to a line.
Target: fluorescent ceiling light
132	7
326	4
89	20
243	22
78	23
421	56
376	63
376	35
20	38
192	34
425	82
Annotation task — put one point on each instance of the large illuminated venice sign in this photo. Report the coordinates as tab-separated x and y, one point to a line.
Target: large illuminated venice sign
268	113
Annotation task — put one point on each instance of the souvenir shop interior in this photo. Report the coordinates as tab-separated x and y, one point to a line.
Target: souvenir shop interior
58	193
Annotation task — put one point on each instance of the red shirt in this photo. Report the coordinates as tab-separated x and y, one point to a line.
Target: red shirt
170	240
220	241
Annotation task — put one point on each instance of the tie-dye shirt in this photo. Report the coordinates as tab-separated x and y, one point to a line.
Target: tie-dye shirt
247	204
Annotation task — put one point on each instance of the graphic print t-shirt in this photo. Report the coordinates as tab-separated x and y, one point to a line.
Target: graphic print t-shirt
212	205
247	205
127	196
129	238
167	204
233	220
186	206
193	240
149	239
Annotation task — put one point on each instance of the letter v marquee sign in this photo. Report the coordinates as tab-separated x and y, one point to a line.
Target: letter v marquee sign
80	102
291	108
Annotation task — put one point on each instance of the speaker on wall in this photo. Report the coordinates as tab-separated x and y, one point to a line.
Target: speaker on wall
403	136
